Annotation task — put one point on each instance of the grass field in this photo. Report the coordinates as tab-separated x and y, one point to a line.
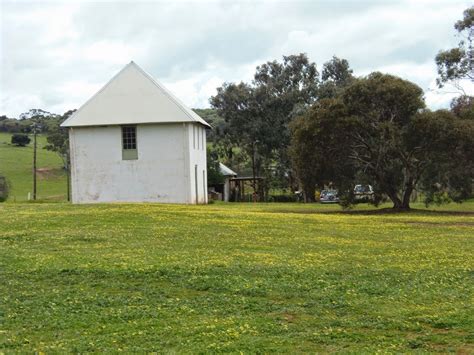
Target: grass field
16	163
236	277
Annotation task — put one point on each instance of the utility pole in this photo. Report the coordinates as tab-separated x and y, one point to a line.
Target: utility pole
34	159
254	172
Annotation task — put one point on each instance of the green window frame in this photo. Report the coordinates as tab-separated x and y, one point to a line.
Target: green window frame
129	143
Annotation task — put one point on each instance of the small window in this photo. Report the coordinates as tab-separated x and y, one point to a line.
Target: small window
129	143
194	137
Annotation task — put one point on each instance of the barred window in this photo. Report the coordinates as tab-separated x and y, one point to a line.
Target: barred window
129	137
129	143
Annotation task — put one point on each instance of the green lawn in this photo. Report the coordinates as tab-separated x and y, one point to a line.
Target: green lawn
236	277
16	163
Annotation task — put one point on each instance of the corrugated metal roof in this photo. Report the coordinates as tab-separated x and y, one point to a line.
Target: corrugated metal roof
226	171
132	96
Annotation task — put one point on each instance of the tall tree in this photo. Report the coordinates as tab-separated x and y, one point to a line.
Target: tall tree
258	113
380	107
316	151
236	103
457	64
317	161
443	145
463	107
336	75
377	131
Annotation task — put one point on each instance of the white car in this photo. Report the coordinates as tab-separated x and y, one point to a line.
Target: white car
363	193
329	196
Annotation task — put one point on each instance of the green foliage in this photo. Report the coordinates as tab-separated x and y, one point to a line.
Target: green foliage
24	124
463	107
374	133
58	138
458	63
338	71
13	125
20	139
257	114
4	188
214	176
283	198
379	110
251	278
318	156
444	145
315	133
217	123
336	75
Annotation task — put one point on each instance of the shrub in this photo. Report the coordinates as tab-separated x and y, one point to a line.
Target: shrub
20	139
282	198
3	189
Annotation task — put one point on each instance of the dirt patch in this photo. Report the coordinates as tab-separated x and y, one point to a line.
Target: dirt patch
48	173
290	318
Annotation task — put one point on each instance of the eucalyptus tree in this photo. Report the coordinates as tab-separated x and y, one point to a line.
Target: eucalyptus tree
457	64
378	131
258	114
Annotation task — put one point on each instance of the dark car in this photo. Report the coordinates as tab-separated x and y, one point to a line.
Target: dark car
329	196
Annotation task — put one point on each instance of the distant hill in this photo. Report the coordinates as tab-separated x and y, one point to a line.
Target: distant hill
24	121
16	165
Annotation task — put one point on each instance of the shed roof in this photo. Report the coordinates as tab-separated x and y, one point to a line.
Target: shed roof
226	171
132	96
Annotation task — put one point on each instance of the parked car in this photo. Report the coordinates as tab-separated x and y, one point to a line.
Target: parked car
363	193
329	196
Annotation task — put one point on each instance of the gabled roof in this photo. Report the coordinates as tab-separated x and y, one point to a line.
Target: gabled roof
132	96
226	171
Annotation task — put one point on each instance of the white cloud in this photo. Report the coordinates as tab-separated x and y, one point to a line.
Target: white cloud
55	55
110	51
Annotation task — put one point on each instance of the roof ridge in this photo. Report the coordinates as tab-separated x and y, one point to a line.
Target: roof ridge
171	96
191	115
97	93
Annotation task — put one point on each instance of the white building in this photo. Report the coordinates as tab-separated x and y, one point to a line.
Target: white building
134	141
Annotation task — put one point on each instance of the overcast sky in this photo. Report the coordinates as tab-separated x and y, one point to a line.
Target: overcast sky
56	55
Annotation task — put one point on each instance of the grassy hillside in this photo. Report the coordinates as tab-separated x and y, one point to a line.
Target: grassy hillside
236	277
16	163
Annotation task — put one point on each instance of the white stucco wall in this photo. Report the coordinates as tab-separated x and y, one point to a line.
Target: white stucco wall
197	162
163	172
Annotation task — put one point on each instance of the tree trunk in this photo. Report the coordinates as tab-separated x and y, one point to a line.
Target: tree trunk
401	203
406	196
397	203
309	194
